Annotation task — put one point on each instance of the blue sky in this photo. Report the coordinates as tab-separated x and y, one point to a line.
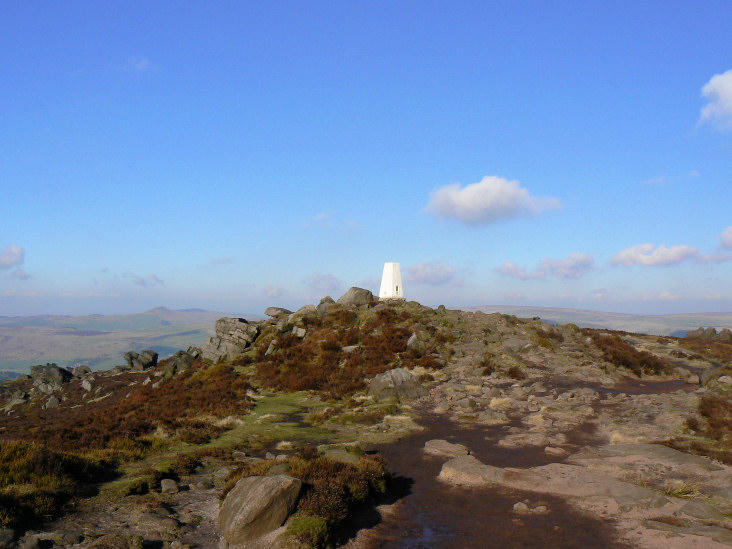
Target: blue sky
234	155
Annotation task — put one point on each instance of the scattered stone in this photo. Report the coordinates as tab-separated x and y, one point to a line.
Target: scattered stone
520	508
111	541
440	447
179	362
693	379
399	382
52	403
725	379
355	297
338	454
256	506
7	535
87	385
81	370
557	452
279	469
701	510
168	486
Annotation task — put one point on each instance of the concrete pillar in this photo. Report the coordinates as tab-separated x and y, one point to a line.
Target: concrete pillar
391	282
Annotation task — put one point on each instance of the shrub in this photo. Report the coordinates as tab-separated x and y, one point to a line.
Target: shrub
36	483
711	433
331	490
617	351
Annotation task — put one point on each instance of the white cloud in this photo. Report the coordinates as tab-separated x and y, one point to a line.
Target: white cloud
726	238
666	295
20	273
323	283
274	291
430	272
649	255
718	93
491	199
11	256
511	270
516	296
140	64
144	281
573	266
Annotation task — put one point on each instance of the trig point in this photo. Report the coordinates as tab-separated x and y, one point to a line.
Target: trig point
391	282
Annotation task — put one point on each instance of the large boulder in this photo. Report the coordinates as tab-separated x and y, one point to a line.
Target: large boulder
256	506
325	305
277	311
50	374
233	336
355	297
399	382
141	361
181	361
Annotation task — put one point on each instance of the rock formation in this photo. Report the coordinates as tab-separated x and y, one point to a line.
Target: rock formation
233	336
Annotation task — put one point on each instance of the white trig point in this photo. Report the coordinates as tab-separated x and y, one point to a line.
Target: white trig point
391	282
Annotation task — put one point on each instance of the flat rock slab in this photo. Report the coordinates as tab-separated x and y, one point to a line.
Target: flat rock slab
651	452
439	447
469	471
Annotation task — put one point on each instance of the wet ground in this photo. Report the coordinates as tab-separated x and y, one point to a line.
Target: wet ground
425	513
429	514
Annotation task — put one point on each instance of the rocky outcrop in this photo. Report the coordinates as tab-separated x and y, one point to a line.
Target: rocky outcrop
233	336
50	374
399	382
256	506
141	361
181	361
355	297
710	334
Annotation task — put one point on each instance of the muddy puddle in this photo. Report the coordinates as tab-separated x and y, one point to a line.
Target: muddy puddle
428	514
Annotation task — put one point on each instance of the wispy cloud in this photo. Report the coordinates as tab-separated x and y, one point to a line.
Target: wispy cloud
512	270
491	199
140	64
433	273
718	93
659	181
573	266
274	291
20	274
726	238
323	283
650	255
11	256
222	260
144	281
15	293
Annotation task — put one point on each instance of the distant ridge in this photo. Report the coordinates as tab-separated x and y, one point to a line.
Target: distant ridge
674	324
100	340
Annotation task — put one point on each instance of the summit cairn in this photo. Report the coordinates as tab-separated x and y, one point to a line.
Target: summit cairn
391	282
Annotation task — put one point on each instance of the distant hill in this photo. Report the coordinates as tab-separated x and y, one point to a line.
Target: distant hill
676	325
100	340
